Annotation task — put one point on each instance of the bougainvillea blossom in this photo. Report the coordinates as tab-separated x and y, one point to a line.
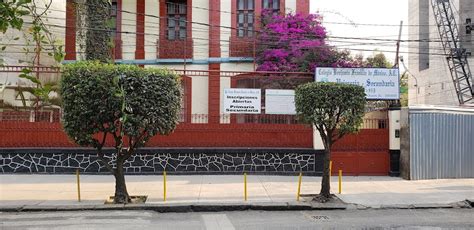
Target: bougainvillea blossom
293	42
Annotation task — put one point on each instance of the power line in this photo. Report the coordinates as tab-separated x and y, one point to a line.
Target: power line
276	35
200	23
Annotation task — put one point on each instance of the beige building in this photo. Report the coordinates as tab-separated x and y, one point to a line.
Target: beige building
430	81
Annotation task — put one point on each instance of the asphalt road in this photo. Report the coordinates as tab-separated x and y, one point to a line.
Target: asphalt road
348	219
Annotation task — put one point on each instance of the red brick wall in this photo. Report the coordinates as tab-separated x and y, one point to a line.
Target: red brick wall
45	134
215	29
214	93
70	43
242	47
188	87
302	7
178	48
140	27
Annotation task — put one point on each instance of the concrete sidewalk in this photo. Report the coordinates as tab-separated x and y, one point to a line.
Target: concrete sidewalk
55	191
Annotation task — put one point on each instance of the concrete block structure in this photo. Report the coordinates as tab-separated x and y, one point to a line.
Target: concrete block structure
430	81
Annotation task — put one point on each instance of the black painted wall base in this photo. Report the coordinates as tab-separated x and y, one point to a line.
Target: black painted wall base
394	163
173	161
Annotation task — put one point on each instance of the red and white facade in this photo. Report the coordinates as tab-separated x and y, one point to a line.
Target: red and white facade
206	35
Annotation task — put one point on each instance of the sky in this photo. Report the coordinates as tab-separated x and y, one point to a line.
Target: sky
354	12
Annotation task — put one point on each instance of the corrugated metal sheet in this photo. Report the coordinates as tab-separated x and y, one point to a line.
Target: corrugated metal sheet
441	144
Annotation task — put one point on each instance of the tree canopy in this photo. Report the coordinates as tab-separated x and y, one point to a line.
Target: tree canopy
335	110
128	103
101	98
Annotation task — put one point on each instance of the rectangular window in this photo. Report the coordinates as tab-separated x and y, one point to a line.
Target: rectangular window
273	5
245	18
176	15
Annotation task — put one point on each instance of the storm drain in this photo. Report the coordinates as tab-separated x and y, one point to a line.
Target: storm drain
320	217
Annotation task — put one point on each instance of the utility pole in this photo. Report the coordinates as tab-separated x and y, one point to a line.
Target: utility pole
398	45
396	65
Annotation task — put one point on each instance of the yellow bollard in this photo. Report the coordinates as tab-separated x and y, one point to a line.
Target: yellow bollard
340	181
78	186
245	186
164	185
299	187
330	168
330	171
330	174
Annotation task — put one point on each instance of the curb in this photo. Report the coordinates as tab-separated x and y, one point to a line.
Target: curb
191	207
215	207
461	204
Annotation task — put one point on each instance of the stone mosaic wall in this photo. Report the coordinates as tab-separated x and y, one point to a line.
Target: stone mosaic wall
149	161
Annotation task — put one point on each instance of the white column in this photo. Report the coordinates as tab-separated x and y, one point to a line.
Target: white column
129	24
200	32
152	28
394	129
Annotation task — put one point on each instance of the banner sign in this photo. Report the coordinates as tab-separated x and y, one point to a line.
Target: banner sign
379	83
280	101
242	101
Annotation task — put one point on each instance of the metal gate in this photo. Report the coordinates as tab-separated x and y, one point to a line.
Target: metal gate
364	153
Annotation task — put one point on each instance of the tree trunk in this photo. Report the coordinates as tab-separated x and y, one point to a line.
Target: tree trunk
325	185
121	194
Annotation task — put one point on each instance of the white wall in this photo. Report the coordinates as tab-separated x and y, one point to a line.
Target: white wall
200	32
200	96
317	140
290	6
14	48
152	28
11	96
394	124
236	66
15	55
129	24
226	19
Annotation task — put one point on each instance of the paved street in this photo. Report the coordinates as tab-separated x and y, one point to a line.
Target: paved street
375	219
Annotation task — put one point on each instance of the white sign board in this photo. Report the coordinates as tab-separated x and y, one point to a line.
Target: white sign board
280	101
379	83
242	101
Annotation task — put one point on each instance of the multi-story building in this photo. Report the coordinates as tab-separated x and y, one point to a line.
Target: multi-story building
211	44
204	35
430	81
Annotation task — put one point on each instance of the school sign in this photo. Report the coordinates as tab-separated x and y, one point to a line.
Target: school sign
379	83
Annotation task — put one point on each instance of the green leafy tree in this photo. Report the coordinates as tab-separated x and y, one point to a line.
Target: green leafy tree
378	61
335	110
37	34
128	103
404	89
11	14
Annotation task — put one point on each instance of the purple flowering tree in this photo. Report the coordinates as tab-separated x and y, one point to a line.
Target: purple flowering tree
296	43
